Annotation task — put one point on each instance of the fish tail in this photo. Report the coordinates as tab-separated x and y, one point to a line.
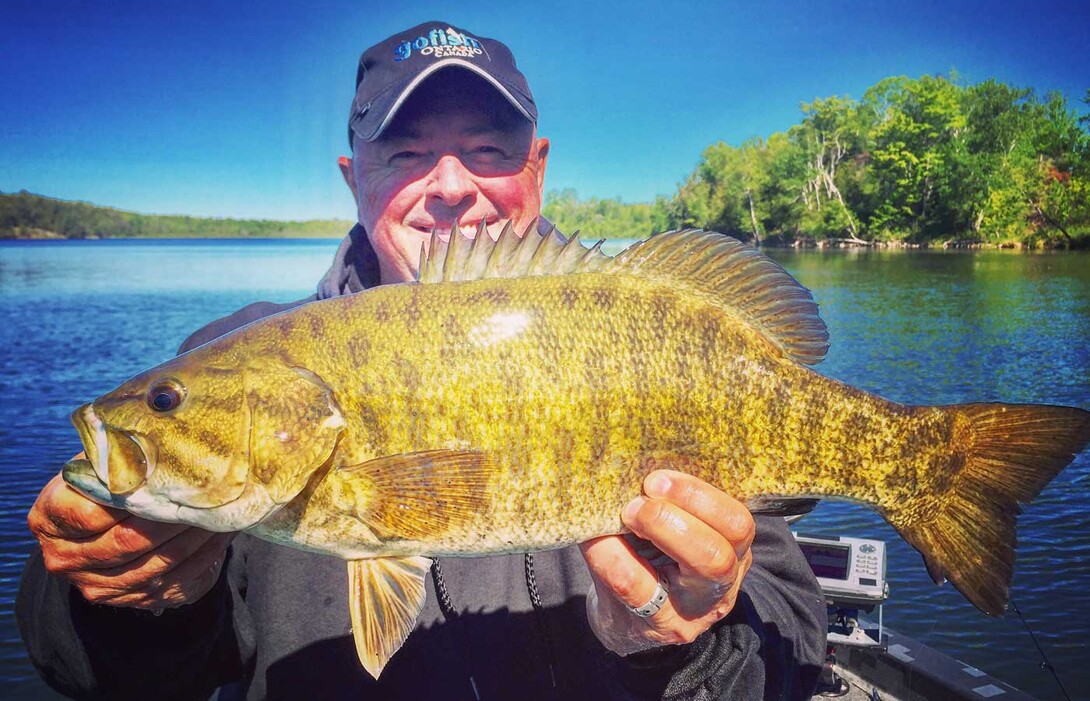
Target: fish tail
1004	455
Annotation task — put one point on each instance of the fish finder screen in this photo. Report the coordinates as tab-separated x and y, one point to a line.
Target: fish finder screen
829	561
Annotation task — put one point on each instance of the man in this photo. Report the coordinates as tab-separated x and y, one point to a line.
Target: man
443	132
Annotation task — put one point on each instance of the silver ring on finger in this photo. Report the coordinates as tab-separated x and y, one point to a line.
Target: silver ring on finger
659	597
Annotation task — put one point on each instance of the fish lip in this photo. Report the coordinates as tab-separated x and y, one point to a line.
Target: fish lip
96	434
92	433
81	475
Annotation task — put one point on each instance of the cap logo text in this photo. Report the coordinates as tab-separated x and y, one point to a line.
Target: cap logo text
440	43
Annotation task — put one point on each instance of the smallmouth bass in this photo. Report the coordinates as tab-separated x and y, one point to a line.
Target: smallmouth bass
515	397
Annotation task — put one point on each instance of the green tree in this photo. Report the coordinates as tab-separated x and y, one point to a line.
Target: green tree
830	134
918	131
601	218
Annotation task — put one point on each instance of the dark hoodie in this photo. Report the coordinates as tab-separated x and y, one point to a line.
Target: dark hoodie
276	625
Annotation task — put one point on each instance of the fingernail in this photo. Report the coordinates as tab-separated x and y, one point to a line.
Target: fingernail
630	510
656	485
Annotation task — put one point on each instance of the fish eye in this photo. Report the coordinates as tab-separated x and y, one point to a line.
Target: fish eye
165	395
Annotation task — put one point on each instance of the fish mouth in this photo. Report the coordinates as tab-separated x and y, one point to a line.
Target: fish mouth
80	474
119	460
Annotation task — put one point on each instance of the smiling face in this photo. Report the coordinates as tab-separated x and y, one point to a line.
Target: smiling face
456	153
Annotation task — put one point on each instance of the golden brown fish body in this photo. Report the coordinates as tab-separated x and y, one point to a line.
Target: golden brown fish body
515	399
571	389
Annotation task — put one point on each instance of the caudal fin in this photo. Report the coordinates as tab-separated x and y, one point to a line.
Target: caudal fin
1010	452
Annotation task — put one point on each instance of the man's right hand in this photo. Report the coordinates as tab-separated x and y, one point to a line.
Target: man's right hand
117	559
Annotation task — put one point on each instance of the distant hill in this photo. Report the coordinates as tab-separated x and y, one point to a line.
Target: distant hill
28	216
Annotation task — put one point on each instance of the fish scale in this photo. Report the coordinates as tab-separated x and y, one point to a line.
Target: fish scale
502	396
780	429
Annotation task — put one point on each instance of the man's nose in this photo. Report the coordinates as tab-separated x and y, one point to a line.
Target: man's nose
451	182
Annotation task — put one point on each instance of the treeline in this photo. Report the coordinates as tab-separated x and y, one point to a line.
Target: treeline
26	215
915	161
606	218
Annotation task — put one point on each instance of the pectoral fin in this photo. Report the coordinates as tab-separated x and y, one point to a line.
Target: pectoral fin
385	596
415	496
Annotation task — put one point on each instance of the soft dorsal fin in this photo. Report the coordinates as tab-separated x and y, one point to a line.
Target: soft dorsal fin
732	274
740	277
511	255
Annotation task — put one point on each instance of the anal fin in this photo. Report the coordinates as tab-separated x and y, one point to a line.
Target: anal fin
385	596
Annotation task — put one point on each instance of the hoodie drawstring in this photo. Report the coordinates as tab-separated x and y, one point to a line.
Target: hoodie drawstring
446	605
450	614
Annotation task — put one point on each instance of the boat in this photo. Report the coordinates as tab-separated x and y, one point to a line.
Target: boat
866	661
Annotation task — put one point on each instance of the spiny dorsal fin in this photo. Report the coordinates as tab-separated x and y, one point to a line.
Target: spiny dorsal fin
740	277
734	275
511	255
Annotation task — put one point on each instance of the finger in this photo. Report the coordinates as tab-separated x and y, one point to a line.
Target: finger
694	545
647	550
126	542
711	505
184	583
62	512
620	571
194	577
150	567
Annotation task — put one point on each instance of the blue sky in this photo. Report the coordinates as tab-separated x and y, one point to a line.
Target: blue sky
239	109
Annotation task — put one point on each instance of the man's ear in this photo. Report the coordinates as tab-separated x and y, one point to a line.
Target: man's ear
542	147
345	164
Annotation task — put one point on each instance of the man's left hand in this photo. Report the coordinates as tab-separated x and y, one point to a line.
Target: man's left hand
708	536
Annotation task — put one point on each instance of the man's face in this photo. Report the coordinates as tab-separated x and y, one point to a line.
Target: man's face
436	167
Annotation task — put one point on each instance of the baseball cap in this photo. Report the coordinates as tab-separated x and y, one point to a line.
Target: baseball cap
390	70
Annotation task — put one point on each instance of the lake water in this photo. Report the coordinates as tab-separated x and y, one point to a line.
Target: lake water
917	327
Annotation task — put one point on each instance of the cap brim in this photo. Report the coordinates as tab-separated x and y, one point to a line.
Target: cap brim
387	105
